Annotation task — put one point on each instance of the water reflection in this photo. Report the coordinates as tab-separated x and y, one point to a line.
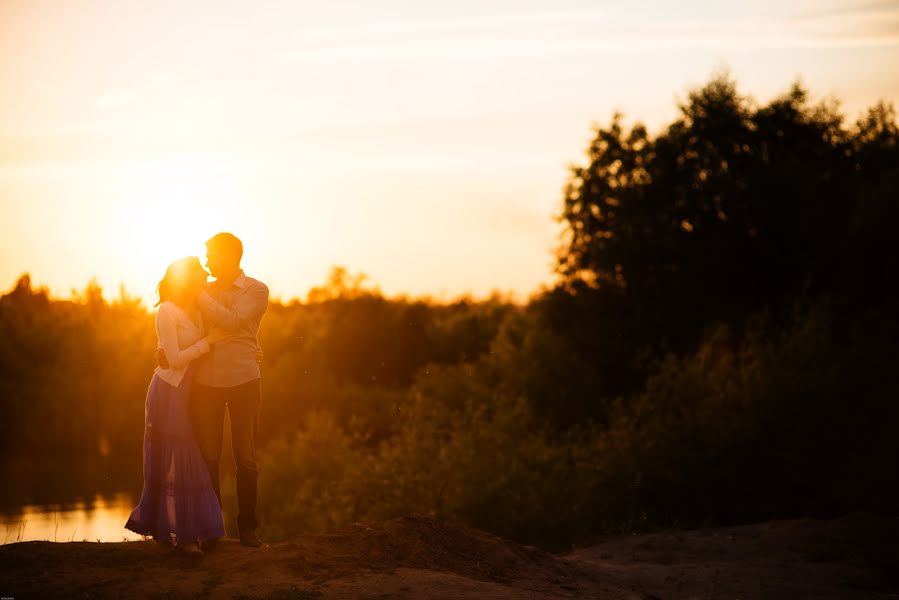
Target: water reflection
73	499
101	518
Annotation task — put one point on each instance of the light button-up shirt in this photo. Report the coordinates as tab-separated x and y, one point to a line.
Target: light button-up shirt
238	309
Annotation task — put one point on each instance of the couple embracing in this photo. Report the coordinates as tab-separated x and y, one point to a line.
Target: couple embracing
208	362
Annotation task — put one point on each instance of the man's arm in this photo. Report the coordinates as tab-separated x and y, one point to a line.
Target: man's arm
249	305
160	358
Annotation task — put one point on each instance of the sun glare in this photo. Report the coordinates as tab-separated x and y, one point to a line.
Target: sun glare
166	210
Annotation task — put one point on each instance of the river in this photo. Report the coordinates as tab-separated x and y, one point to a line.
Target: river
100	518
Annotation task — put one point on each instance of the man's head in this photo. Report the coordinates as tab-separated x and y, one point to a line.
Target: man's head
223	254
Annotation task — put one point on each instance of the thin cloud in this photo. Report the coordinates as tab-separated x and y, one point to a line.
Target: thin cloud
560	33
116	99
467	23
498	47
203	103
871	8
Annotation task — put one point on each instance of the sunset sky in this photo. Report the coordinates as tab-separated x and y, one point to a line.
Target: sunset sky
423	143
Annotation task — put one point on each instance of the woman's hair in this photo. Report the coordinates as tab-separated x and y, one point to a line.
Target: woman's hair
177	276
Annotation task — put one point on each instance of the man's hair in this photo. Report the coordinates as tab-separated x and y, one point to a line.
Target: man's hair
226	243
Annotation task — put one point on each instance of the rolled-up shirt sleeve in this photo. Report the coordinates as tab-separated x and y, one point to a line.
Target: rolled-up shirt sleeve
247	306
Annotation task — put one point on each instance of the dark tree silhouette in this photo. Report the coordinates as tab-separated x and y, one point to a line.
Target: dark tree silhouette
730	209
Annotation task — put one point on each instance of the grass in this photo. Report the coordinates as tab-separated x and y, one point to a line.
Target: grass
20	533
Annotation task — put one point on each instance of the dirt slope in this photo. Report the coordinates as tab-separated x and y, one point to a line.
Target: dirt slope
424	558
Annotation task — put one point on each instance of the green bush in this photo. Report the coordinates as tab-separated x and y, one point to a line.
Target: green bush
764	427
492	465
748	428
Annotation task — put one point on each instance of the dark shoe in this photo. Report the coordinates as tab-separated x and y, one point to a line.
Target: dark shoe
249	538
210	544
192	550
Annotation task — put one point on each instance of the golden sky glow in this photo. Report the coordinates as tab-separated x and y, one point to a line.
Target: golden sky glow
422	143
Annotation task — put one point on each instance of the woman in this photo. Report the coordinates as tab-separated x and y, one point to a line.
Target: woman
178	505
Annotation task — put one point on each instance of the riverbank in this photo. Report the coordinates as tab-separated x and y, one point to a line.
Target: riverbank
423	558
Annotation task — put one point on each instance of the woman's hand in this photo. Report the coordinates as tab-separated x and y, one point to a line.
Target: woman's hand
258	354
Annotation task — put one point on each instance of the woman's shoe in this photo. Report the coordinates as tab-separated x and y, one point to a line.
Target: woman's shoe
209	545
192	549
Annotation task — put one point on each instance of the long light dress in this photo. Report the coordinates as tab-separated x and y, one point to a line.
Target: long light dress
177	504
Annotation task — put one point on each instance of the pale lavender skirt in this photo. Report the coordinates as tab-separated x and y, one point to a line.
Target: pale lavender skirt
178	504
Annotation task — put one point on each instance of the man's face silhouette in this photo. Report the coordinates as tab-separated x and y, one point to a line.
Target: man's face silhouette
220	263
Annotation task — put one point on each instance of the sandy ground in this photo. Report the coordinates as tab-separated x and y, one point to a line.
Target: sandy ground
428	559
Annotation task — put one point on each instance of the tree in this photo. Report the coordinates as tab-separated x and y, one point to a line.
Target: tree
730	209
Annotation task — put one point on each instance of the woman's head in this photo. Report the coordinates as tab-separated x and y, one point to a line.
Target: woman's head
184	280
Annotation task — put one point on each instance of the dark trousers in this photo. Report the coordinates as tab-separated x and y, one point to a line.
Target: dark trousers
207	416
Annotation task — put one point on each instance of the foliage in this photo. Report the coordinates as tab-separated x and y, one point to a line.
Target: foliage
770	426
731	209
493	466
74	374
721	347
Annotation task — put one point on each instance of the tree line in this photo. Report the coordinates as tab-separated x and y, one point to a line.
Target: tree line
719	348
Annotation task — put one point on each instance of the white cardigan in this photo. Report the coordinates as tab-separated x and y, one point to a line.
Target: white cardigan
180	338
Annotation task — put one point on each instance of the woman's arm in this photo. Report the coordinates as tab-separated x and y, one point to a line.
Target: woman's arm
167	330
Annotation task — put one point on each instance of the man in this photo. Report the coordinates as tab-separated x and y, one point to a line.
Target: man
228	376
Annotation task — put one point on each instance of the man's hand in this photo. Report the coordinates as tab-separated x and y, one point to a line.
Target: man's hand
258	355
161	360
